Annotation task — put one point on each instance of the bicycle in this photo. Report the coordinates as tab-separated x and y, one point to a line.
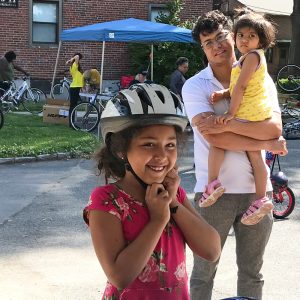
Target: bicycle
86	115
283	197
61	89
290	121
288	78
32	99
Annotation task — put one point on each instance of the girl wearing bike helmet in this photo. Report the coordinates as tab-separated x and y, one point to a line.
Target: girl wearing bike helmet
250	101
141	222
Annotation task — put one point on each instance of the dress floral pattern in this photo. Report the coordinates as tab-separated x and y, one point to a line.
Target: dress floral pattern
164	276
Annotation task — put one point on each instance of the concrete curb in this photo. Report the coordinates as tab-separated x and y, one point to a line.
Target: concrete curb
41	157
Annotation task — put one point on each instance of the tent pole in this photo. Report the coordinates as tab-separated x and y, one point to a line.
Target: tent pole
101	78
102	62
151	62
55	68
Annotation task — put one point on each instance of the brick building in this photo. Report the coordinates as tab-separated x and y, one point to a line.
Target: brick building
31	28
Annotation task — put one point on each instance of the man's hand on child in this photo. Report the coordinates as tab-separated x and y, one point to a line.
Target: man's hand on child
223	119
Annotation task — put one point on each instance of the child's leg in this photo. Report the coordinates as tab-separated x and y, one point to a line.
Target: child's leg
214	188
263	205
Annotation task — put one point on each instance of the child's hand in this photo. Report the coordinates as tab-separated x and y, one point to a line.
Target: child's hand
223	119
171	182
158	200
215	97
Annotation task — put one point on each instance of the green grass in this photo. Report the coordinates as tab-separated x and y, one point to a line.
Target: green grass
27	135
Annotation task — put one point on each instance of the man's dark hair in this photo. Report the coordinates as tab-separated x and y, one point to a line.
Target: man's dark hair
210	22
10	56
181	60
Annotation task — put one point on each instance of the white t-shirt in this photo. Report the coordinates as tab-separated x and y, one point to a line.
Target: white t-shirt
236	173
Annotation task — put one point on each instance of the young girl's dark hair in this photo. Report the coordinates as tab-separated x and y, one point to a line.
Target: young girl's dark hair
80	57
109	162
265	29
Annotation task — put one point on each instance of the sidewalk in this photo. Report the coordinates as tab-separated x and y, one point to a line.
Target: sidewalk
46	251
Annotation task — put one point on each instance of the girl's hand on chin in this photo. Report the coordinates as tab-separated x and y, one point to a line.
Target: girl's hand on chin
171	182
158	200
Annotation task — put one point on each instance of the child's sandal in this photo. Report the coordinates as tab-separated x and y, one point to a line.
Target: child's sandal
257	210
211	195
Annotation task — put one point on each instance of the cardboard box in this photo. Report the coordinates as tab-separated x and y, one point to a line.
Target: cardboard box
56	111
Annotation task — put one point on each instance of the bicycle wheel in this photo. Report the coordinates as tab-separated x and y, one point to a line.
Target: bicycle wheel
284	203
33	100
60	92
1	119
85	116
288	78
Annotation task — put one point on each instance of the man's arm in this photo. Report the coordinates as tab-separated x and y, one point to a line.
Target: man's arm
262	130
18	68
216	135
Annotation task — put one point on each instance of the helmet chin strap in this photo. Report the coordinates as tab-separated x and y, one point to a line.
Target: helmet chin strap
129	168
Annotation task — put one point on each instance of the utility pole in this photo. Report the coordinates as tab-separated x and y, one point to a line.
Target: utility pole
294	56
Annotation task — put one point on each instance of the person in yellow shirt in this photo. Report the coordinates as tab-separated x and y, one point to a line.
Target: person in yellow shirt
77	81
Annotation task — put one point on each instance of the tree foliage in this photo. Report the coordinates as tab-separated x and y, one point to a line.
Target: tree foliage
166	54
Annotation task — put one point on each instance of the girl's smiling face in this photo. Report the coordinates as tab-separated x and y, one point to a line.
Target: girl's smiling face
153	152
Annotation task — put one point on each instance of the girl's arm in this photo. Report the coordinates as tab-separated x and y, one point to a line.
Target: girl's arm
249	66
201	237
71	60
123	262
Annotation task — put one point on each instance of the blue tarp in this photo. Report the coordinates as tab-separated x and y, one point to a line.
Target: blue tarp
128	30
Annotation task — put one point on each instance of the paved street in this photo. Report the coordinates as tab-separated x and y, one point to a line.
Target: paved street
46	251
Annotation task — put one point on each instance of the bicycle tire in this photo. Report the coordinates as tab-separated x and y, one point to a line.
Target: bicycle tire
1	119
60	92
284	203
288	78
85	116
5	104
33	100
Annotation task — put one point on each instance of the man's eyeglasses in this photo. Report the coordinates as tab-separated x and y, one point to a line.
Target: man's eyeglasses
221	37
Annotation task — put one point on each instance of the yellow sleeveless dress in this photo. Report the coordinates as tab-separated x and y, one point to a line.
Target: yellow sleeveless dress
256	103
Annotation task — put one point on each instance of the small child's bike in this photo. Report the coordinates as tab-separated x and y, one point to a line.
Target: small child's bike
283	196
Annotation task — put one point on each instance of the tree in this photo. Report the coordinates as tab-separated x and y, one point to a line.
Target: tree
166	54
295	45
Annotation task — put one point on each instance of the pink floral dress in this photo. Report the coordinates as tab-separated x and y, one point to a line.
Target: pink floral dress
164	276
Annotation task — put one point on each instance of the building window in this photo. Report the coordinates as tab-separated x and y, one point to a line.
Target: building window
45	22
156	9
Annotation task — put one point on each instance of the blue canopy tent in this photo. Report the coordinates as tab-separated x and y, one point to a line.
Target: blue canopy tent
127	30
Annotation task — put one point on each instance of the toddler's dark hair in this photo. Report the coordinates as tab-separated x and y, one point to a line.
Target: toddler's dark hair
265	29
108	158
210	22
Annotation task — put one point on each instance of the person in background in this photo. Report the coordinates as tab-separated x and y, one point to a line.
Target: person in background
92	79
7	66
77	81
177	78
140	77
213	31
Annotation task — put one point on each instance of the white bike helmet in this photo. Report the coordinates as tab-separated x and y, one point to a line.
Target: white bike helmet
141	105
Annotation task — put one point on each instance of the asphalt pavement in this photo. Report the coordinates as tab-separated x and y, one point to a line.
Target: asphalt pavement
46	251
